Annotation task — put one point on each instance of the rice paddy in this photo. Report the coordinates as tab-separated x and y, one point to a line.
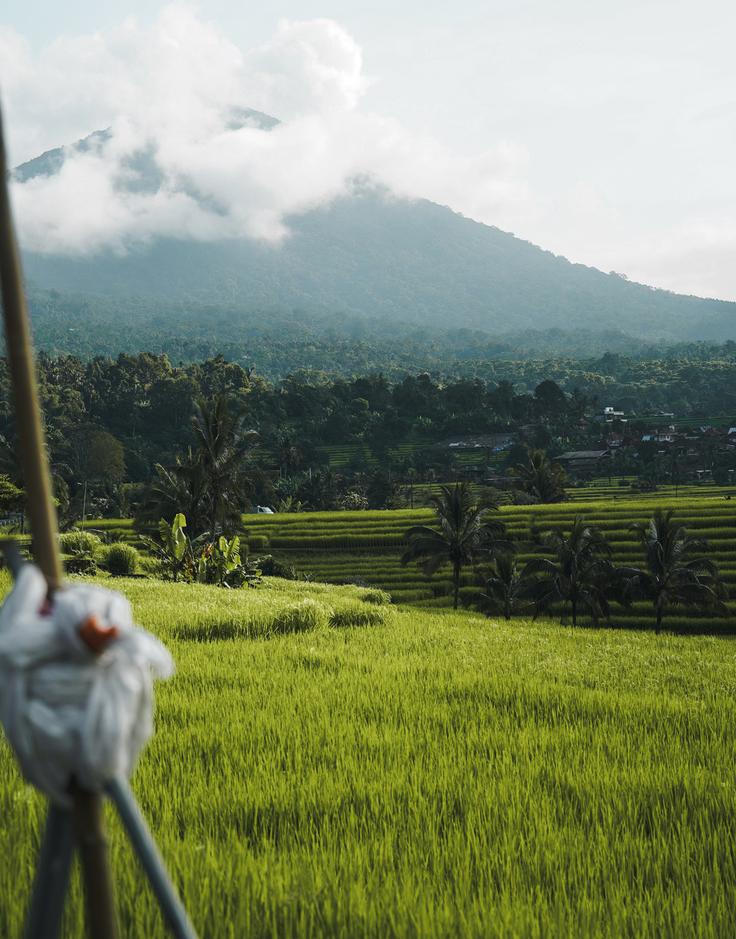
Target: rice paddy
365	547
424	774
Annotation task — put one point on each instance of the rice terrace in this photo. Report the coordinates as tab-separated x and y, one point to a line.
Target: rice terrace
335	764
367	471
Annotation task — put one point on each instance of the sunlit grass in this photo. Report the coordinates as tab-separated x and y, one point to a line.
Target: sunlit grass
436	775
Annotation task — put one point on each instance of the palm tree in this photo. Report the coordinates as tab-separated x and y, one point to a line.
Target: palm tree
223	450
174	489
540	477
288	453
464	533
507	585
675	574
580	574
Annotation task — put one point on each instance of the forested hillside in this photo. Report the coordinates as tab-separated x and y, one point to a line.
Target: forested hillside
372	255
277	343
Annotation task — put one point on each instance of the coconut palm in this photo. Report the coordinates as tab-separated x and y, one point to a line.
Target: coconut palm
223	449
464	533
579	575
507	586
540	477
676	574
178	488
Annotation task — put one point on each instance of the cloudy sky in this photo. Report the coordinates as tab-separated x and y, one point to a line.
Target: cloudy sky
602	131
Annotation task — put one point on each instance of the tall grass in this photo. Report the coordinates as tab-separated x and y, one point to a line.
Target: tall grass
437	775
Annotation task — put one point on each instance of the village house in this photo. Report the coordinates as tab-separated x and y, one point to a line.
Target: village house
495	443
585	461
609	415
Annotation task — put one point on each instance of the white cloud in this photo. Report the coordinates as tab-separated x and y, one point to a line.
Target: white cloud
169	92
695	256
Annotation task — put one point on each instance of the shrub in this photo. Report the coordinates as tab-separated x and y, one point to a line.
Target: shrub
121	559
358	616
299	617
77	542
270	567
80	565
81	548
378	597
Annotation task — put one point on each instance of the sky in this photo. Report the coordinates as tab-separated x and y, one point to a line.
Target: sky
605	132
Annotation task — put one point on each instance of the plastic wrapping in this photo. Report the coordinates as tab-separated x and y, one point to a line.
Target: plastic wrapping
76	683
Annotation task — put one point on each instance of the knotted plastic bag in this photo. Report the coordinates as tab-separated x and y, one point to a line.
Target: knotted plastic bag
76	683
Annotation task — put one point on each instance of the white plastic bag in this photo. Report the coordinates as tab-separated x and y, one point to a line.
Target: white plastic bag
68	710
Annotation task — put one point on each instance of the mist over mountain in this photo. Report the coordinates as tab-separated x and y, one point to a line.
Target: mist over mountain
368	256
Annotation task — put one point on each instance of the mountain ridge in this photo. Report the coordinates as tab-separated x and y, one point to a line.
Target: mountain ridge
374	255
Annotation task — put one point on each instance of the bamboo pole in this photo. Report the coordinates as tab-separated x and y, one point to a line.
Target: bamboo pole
29	427
37	484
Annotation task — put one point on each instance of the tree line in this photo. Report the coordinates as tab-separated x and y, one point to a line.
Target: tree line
115	428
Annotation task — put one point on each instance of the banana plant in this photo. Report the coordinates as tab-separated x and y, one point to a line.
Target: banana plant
218	559
173	548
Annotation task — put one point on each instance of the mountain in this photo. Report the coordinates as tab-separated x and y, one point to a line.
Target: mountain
370	255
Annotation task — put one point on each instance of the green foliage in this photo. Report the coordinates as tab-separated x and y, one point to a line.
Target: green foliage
125	427
78	542
507	586
211	480
173	550
676	573
82	549
541	478
11	496
289	504
173	537
270	567
223	447
464	533
365	547
219	562
178	488
121	559
209	562
579	575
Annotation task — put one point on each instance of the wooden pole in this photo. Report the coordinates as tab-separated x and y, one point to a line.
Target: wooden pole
29	427
42	512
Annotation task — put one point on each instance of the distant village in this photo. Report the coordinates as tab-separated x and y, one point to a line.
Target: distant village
654	449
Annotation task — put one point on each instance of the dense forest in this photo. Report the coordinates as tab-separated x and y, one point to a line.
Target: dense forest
277	344
110	422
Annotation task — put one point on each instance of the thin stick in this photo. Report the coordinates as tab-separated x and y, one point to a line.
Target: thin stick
37	485
92	845
150	858
52	876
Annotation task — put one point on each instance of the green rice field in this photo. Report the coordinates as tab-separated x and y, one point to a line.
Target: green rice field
424	774
365	547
